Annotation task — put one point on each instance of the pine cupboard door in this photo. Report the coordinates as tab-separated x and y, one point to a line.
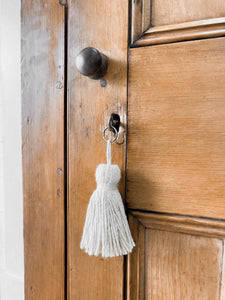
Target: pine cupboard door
166	79
176	150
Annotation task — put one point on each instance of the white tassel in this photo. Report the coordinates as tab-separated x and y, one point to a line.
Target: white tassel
106	230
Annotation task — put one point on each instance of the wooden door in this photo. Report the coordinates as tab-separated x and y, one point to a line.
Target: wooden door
166	80
174	108
176	151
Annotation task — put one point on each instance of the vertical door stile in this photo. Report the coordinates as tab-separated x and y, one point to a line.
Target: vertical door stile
43	31
104	26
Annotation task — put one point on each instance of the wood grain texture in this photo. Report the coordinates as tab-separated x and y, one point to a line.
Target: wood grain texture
43	148
183	224
180	266
176	146
180	11
182	32
136	262
102	25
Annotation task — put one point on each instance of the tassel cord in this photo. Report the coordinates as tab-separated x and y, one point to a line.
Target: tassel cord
108	152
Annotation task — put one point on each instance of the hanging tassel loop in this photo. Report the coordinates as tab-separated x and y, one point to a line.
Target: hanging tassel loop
106	230
112	129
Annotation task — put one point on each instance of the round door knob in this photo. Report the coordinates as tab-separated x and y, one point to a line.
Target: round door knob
90	62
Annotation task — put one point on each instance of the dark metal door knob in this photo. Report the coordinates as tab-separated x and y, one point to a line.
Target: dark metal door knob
90	62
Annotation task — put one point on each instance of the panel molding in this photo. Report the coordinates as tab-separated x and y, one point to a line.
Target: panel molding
182	224
182	32
144	33
140	18
136	262
222	282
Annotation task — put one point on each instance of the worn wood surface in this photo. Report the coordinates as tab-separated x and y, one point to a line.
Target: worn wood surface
103	25
43	144
180	266
176	145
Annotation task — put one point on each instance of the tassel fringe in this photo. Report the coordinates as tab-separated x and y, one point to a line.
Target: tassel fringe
106	229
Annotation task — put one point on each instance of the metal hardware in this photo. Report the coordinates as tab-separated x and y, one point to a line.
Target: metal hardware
103	83
59	171
63	2
112	128
90	62
118	140
114	121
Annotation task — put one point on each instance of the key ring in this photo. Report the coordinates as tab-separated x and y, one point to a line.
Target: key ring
115	132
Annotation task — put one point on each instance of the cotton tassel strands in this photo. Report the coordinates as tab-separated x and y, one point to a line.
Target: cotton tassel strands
106	230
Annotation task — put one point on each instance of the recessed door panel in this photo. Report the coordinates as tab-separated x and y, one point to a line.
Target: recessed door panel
176	145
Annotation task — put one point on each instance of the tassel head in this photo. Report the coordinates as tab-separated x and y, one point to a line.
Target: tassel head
107	176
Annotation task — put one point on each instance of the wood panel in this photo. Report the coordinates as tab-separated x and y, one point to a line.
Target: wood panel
176	146
102	25
180	11
180	266
43	148
171	262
